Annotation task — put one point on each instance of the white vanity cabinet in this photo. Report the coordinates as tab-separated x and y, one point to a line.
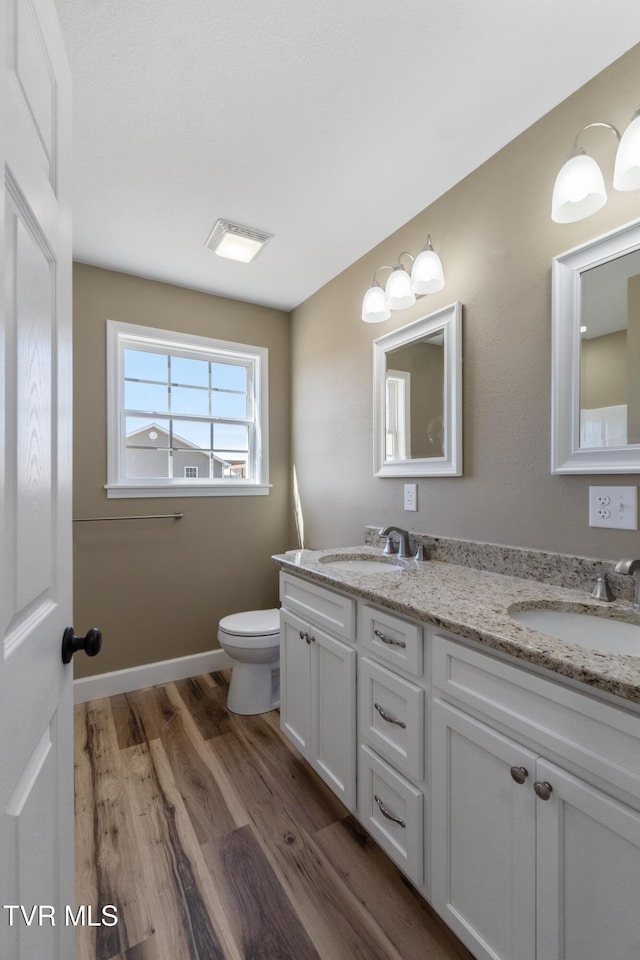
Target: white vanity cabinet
529	860
510	800
318	681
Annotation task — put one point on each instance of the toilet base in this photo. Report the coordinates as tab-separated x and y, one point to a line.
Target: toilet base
254	688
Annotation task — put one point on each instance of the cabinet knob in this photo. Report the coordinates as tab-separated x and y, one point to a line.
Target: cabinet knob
519	774
543	789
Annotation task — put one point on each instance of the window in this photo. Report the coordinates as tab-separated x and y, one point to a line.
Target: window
187	414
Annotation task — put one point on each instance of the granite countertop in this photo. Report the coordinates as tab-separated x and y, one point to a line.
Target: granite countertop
475	604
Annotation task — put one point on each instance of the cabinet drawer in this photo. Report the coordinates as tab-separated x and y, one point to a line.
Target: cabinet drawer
398	829
600	739
391	639
392	717
322	606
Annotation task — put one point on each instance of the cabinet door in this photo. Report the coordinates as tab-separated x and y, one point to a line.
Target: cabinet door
333	711
483	836
588	886
295	681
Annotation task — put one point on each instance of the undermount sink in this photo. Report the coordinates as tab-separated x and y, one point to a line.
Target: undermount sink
362	564
585	629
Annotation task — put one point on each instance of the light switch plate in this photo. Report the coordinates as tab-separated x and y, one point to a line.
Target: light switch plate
411	496
613	507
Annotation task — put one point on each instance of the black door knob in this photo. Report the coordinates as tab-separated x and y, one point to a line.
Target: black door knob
91	643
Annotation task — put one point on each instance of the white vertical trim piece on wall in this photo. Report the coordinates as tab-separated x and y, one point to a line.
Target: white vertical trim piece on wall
148	675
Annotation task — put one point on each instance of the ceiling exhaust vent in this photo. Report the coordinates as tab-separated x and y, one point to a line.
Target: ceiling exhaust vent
235	242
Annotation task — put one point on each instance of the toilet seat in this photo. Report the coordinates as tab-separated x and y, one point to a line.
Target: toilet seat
251	624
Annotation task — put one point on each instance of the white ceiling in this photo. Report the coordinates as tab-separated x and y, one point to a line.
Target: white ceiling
328	123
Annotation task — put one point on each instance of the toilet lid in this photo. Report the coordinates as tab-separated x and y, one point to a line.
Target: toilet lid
252	623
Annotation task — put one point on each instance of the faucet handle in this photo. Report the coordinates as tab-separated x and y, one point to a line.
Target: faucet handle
421	553
602	589
390	547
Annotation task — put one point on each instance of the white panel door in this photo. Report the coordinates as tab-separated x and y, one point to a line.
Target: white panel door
36	785
588	888
333	712
483	836
295	681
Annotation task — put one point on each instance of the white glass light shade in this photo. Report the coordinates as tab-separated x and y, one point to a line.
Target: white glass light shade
398	292
374	308
579	190
427	275
626	173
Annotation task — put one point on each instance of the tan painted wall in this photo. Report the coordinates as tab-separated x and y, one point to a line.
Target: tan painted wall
158	588
496	239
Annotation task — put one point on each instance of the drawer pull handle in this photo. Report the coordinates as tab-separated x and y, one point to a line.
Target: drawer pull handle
385	812
385	716
543	789
519	774
389	640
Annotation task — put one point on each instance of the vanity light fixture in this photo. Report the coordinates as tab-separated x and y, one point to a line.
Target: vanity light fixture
235	242
402	288
580	190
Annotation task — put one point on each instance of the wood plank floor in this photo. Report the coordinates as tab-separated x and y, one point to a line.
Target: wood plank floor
214	839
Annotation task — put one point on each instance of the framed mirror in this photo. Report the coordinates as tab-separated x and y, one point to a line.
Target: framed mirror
417	398
596	355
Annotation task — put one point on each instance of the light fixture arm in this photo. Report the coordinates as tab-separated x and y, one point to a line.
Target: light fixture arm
385	266
405	253
597	123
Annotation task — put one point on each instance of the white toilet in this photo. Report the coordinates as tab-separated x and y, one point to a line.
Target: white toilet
252	640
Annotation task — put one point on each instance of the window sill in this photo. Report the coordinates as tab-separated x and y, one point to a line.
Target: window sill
123	491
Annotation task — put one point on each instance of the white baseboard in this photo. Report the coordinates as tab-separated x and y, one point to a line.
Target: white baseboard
148	675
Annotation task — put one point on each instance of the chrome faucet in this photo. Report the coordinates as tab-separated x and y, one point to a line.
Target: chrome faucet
405	543
631	567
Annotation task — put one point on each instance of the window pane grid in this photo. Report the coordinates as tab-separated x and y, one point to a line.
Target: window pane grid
218	462
173	382
178	429
188	386
185	417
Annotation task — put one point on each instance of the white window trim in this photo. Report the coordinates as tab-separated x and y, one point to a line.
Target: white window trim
119	336
399	413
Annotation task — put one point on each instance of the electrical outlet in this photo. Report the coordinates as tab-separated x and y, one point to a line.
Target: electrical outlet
613	507
411	496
